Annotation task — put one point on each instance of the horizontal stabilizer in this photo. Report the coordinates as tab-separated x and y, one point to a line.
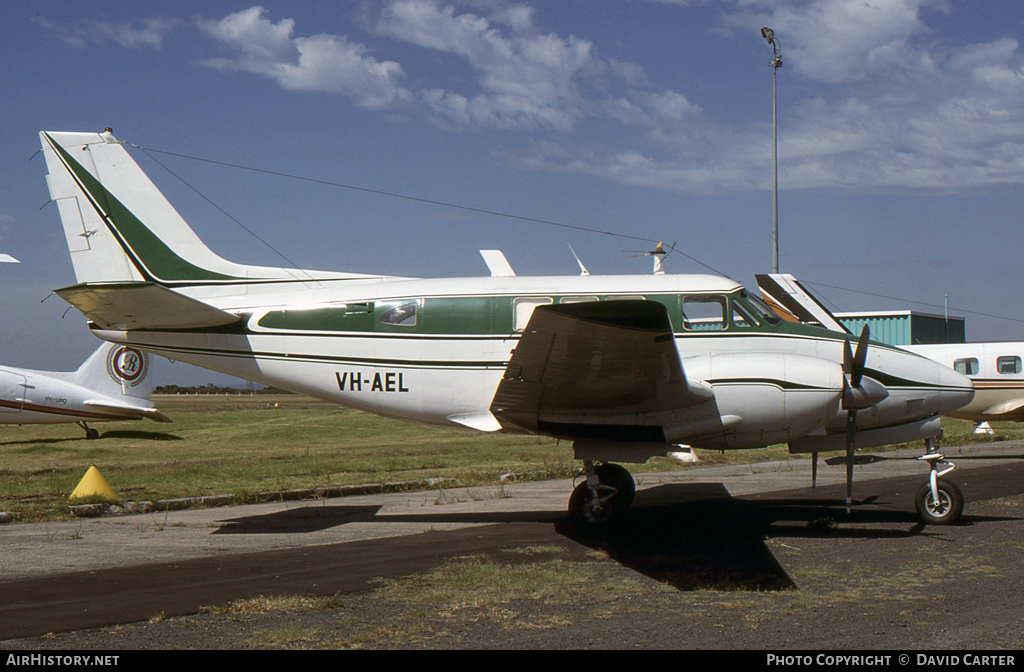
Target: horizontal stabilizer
124	306
128	412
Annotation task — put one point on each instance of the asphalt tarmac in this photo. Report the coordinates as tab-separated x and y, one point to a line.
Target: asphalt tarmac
87	573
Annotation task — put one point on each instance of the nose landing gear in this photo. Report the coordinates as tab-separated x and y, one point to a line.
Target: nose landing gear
939	501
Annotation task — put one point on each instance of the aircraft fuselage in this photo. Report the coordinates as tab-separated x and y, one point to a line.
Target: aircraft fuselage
434	351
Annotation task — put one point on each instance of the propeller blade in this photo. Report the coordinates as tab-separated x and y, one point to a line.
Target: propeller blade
855	397
851	446
857	368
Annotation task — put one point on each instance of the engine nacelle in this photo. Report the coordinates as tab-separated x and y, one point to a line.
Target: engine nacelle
767	398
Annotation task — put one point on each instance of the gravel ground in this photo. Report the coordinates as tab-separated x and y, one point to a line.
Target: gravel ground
718	575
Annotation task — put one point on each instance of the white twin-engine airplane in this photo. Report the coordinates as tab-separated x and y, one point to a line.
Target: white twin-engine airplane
113	384
626	367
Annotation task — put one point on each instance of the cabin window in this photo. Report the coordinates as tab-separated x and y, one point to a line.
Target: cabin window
1008	364
577	299
625	297
522	309
966	367
703	313
403	315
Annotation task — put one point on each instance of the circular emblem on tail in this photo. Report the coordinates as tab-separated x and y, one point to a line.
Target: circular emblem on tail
127	365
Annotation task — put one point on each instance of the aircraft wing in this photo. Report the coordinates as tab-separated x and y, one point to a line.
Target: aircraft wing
141	305
128	412
606	370
8	259
792	302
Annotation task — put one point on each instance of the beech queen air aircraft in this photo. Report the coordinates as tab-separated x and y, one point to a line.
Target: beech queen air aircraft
113	384
626	367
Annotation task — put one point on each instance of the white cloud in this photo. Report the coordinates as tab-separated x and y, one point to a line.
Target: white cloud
893	108
151	34
892	104
524	79
327	63
843	40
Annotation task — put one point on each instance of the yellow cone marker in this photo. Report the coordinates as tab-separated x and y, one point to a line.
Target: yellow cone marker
94	485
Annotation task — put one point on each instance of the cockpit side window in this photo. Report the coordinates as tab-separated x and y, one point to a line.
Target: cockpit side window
764	313
740	317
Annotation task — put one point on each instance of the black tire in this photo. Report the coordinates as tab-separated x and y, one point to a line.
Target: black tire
608	474
581	508
946	510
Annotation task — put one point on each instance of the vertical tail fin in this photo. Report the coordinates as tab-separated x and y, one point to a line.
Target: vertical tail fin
117	370
118	225
120	228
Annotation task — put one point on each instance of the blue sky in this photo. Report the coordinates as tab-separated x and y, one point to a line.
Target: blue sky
901	141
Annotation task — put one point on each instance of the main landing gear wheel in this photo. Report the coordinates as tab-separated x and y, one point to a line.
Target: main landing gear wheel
942	510
608	491
90	433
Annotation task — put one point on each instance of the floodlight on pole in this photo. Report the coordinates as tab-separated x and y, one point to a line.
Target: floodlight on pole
776	63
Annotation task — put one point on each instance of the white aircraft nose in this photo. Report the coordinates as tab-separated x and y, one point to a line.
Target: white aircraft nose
956	390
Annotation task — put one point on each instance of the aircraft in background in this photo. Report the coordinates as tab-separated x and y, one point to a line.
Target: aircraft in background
113	384
626	367
996	370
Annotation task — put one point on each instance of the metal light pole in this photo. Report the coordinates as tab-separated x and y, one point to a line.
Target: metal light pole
769	34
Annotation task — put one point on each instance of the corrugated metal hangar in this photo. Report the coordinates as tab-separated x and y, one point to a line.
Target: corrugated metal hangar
906	327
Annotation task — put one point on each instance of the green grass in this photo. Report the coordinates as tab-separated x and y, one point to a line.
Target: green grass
248	449
242	448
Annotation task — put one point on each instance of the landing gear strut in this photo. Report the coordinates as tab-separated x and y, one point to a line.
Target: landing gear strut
939	501
607	492
90	433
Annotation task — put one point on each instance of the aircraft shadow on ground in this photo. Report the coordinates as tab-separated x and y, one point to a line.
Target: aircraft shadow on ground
114	434
33	442
139	434
690	536
720	543
871	458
